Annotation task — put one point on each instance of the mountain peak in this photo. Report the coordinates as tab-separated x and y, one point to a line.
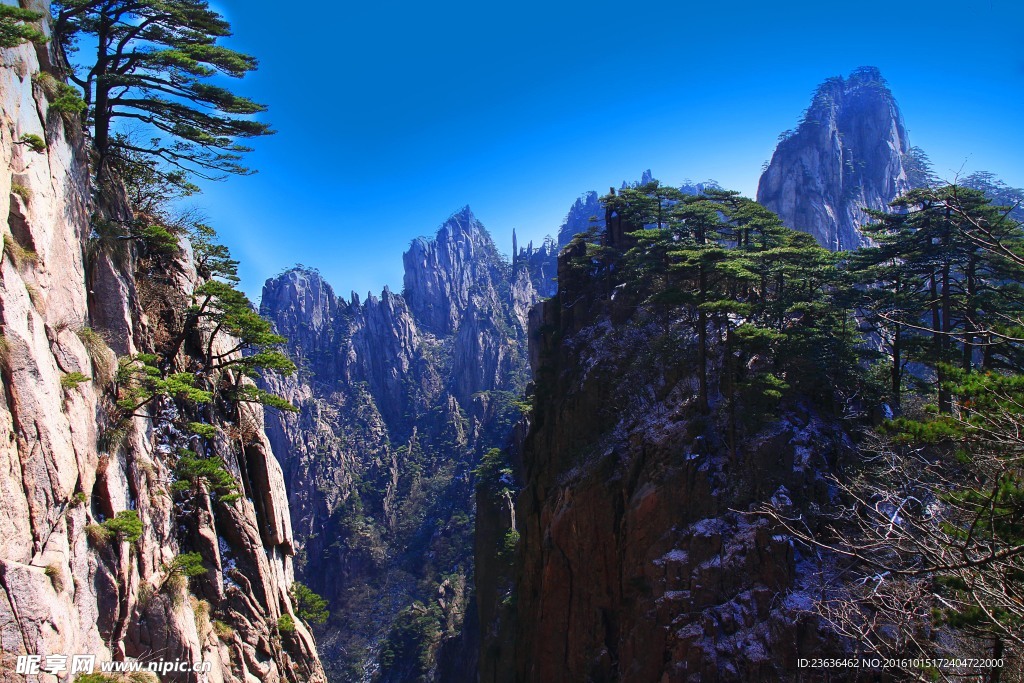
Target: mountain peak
462	221
867	74
846	154
299	301
442	272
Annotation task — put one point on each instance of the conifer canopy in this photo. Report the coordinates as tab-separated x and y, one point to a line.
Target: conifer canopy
153	63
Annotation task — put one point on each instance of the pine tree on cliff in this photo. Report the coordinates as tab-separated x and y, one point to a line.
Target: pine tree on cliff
151	62
935	509
939	292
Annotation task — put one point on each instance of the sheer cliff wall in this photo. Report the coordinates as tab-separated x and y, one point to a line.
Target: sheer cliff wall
68	310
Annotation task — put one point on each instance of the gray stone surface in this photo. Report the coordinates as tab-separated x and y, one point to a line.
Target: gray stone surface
846	155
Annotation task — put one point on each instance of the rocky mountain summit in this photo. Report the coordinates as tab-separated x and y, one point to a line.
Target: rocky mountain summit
846	154
398	397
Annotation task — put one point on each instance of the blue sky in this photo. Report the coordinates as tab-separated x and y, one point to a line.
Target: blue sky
392	115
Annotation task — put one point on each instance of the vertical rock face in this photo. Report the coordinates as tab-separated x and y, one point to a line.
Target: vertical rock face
846	154
68	308
399	395
534	274
442	274
306	310
636	560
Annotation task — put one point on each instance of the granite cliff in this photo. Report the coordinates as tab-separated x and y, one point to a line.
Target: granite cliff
101	554
616	540
846	154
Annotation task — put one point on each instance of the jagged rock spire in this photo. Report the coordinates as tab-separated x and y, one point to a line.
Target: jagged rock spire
845	155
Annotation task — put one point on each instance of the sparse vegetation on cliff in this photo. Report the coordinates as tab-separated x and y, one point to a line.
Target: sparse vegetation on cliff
16	28
753	339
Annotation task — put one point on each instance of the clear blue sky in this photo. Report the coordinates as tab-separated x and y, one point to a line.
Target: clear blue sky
392	115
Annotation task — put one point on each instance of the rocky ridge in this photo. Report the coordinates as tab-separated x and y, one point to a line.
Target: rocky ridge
399	395
636	560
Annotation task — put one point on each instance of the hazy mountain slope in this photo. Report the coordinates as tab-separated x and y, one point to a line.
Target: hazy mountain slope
399	396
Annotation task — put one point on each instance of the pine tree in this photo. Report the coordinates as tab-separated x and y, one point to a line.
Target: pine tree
932	511
937	293
151	63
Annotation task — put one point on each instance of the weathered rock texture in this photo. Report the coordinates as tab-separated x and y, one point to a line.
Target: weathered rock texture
637	561
399	395
846	155
63	590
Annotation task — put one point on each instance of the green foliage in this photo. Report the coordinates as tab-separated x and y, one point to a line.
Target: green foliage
509	543
940	505
155	61
762	301
253	394
22	191
408	649
506	409
35	143
15	31
140	381
212	260
188	564
70	380
285	624
977	565
159	240
151	186
206	431
942	287
1000	194
218	312
308	605
194	472
494	473
218	305
68	101
919	169
125	526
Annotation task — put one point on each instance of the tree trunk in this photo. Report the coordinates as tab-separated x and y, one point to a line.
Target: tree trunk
945	399
969	313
